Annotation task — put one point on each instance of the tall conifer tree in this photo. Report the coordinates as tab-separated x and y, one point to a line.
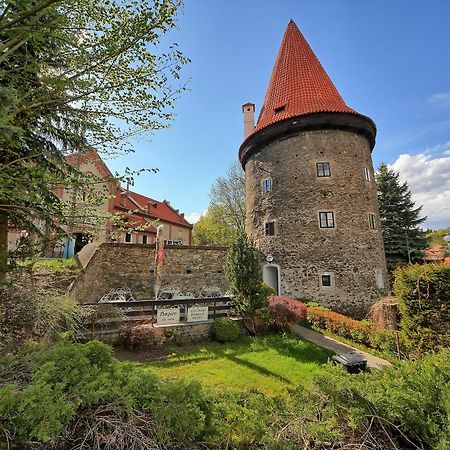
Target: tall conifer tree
403	239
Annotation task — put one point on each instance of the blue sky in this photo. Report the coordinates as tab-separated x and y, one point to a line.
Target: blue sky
389	60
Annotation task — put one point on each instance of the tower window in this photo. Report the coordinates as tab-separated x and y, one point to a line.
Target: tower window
323	169
326	280
366	174
270	228
144	239
372	223
128	238
280	109
267	185
326	219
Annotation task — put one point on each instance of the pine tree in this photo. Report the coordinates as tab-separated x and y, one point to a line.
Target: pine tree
403	240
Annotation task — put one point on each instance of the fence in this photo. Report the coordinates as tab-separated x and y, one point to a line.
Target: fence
106	318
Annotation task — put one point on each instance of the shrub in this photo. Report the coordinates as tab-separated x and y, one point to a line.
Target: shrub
286	311
138	337
423	293
225	329
79	392
243	271
362	332
56	313
404	406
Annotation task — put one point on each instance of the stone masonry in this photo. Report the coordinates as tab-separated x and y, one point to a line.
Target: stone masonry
351	251
187	268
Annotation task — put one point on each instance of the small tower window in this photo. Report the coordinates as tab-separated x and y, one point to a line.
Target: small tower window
267	185
372	223
326	219
144	239
128	238
270	228
323	169
280	109
326	280
366	174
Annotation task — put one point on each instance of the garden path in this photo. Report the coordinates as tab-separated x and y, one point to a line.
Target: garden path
332	344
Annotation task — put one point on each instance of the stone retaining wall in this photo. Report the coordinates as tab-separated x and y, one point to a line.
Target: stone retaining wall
188	268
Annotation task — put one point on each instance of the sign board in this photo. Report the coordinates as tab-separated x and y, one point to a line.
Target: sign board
197	314
168	316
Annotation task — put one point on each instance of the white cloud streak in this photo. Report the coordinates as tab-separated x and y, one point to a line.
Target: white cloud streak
428	178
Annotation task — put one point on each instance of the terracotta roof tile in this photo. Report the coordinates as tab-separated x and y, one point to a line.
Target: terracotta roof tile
299	84
160	210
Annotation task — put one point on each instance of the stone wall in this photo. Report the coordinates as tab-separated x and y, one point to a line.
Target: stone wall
351	252
187	268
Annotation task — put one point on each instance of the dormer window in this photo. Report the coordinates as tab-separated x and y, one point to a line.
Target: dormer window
280	109
323	169
266	185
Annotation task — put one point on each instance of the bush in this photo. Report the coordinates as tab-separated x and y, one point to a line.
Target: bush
362	332
138	337
404	406
225	329
423	293
286	311
81	388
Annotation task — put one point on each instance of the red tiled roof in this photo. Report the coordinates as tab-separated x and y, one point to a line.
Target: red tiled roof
128	200
91	156
299	84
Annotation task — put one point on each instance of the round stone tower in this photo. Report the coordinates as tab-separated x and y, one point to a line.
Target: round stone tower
312	204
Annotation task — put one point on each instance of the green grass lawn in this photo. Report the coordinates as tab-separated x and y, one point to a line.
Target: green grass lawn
271	364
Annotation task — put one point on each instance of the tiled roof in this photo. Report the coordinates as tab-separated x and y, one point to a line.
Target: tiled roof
128	200
299	84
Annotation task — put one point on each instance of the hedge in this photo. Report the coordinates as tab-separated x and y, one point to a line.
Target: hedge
423	293
286	311
361	332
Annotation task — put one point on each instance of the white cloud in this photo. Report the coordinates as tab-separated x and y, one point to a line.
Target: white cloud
428	178
193	217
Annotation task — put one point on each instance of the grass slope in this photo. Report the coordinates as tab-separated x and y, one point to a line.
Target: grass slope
271	364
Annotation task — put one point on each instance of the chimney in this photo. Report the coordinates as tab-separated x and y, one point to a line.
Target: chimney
249	118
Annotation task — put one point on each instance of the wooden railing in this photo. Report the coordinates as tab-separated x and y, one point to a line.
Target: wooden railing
110	315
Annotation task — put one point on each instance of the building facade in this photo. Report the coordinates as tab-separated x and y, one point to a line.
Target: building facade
129	217
311	196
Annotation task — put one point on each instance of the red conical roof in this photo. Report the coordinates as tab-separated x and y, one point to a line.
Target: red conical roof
299	84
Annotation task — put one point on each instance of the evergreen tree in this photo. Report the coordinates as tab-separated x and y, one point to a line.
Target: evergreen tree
243	271
403	239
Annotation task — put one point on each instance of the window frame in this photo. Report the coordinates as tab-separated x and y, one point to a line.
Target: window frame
268	226
125	238
367	176
372	221
145	237
320	168
327	220
330	276
266	185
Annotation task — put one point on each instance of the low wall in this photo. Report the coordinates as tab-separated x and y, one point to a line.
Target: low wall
188	268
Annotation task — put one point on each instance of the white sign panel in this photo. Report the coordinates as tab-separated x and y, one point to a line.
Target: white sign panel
168	316
197	314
